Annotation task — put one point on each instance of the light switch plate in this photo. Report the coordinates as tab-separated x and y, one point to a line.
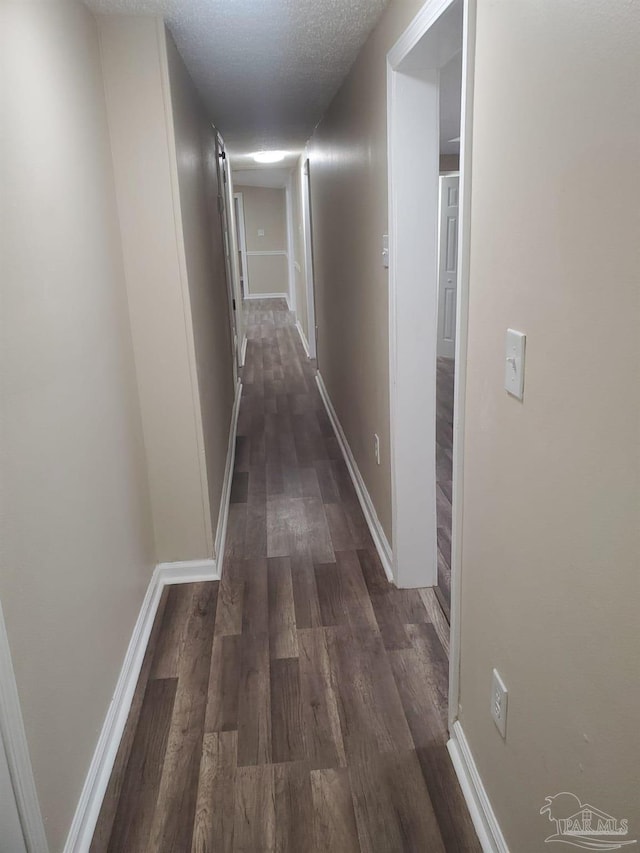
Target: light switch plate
260	232
499	698
514	363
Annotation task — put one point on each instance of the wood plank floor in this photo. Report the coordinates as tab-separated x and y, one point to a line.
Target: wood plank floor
444	475
298	705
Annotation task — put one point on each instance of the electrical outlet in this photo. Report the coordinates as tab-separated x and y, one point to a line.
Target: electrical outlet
499	698
376	447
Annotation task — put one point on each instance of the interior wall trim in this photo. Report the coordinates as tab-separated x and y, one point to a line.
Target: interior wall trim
281	295
187	571
270	296
429	13
95	786
484	819
93	791
16	747
303	338
268	252
377	533
223	513
164	574
288	199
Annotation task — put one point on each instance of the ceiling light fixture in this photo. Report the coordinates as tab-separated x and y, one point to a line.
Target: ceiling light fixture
268	156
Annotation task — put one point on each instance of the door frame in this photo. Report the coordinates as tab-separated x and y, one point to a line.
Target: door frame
242	240
307	227
441	305
14	739
291	273
225	209
416	53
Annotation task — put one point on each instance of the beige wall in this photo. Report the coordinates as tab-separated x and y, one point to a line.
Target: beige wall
139	103
551	550
204	253
267	274
300	283
551	540
348	154
76	543
265	209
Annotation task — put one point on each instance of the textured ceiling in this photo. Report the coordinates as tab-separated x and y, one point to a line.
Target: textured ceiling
267	69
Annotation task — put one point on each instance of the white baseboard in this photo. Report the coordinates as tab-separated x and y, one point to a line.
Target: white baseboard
88	809
223	515
377	533
303	338
267	296
16	748
482	814
243	351
188	571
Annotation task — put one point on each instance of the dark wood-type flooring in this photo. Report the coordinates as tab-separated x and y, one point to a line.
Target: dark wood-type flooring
444	474
298	705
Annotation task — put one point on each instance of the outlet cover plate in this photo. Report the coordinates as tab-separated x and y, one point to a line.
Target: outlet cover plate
514	363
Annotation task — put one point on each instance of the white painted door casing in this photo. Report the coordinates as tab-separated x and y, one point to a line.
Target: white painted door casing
448	265
11	838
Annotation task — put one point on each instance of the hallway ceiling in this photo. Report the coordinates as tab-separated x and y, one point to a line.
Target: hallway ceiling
266	69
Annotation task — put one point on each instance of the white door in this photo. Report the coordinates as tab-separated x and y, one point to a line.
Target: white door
223	209
242	243
448	265
11	838
308	259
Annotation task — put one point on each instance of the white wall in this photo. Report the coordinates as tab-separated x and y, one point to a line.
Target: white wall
76	541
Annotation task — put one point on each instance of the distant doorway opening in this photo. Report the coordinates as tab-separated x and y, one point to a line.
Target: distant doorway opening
445	372
308	259
429	135
242	244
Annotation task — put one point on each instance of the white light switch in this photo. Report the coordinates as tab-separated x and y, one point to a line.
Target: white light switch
514	363
499	697
260	232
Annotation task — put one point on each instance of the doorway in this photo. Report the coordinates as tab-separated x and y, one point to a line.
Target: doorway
225	202
308	259
450	96
445	376
242	244
441	36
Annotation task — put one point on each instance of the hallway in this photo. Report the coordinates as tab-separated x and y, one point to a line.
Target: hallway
299	704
